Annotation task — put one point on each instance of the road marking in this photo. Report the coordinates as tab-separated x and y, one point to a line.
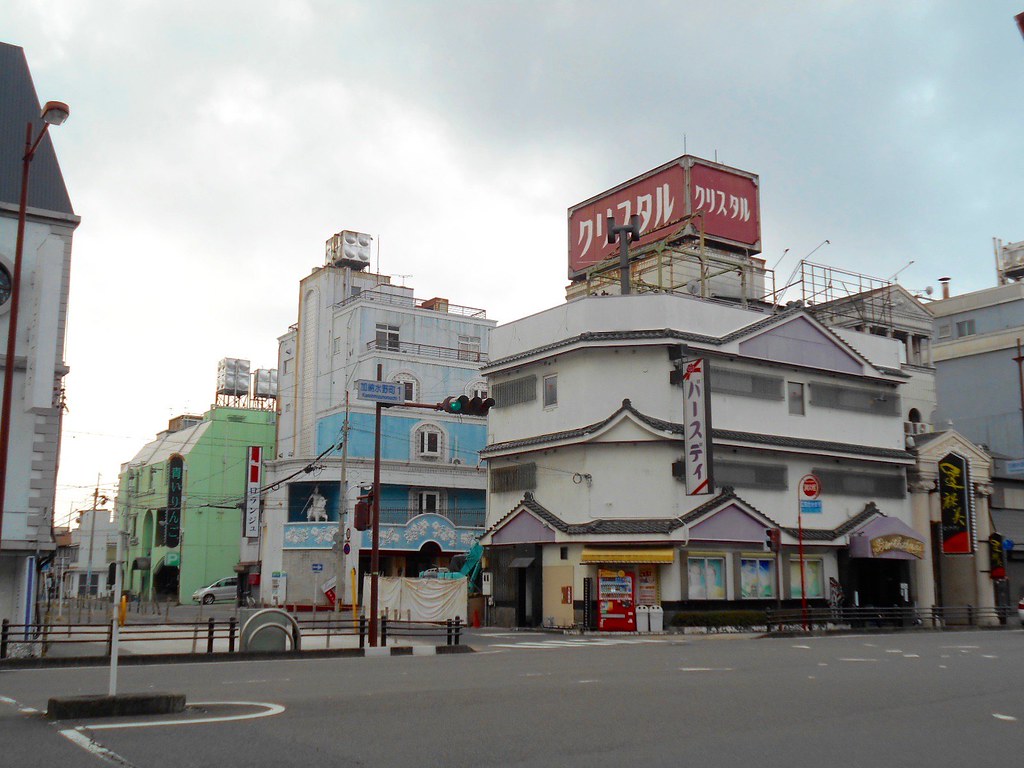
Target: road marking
822	664
80	739
893	650
911	656
706	669
1008	718
943	666
29	711
10	701
803	647
858	659
269	709
988	656
589	681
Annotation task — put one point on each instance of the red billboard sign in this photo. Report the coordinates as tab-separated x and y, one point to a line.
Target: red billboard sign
726	200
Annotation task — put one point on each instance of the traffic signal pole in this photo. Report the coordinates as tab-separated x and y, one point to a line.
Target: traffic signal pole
456	405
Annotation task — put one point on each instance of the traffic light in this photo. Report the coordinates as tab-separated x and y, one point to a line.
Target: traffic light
467	406
772	539
363	512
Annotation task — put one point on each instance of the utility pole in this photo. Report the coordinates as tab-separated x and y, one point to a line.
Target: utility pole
339	544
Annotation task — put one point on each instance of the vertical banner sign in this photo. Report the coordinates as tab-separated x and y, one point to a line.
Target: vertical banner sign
996	557
254	466
697	428
175	485
954	499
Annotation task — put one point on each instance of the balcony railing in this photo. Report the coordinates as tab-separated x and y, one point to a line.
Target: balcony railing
426	350
400	300
462	518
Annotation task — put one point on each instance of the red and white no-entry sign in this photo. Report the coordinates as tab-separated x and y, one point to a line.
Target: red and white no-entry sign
810	487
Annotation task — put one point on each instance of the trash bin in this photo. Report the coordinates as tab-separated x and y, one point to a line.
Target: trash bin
656	618
643	618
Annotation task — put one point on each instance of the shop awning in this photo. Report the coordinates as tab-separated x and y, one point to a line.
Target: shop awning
628	555
140	564
887	538
521	562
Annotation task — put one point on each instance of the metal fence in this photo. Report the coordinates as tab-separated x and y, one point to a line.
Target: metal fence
937	617
210	636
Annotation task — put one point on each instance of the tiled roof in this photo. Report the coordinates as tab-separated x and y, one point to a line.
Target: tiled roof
782	441
825	534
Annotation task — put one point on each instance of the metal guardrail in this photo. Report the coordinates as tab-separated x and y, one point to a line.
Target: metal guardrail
203	634
406	300
937	617
427	350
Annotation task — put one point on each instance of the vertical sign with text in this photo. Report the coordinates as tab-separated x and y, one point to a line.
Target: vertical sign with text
697	428
954	499
253	470
175	486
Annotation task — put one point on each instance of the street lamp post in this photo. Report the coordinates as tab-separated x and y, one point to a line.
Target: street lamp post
54	113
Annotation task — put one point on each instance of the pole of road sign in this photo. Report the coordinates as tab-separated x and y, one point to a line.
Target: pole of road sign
810	487
375	523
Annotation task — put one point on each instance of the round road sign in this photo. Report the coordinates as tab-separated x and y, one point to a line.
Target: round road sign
810	487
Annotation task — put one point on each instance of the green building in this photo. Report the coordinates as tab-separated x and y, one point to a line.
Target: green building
180	501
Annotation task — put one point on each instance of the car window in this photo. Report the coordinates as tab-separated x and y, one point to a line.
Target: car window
230	582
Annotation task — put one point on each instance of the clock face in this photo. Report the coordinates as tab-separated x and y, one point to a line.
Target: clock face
5	285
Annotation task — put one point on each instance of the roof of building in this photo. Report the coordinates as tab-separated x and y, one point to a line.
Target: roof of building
19	106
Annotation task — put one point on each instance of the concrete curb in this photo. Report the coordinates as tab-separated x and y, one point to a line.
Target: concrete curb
119	705
201	658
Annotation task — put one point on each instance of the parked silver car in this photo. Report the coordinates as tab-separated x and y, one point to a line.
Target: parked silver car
223	589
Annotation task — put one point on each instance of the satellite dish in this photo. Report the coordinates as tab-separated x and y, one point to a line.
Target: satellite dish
929	290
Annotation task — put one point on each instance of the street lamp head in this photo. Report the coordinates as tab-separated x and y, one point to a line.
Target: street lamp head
55	112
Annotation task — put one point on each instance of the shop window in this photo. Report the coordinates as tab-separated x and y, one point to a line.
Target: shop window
706	577
551	390
757	578
814	578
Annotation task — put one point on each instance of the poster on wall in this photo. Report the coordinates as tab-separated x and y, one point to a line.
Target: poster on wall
314	502
954	499
647	585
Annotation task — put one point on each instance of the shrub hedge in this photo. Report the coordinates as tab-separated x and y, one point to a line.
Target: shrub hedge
719	619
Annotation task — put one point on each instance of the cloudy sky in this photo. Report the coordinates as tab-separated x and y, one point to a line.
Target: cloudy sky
213	147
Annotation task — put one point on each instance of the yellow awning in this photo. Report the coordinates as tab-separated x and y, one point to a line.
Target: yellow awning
628	555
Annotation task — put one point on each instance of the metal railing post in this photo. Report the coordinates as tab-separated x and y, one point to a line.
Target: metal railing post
5	632
458	629
232	626
384	631
209	635
448	632
362	631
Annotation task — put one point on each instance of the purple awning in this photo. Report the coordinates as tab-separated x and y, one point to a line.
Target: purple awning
887	538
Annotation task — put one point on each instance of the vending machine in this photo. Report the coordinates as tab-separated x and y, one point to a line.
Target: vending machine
616	601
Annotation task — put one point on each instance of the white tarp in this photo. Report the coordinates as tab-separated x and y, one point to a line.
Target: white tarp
419	599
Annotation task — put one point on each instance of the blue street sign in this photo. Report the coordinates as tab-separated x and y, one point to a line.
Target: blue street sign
381	391
1008	544
1015	467
318	567
810	506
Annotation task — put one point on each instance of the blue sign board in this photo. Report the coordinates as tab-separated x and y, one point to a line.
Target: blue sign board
318	567
381	391
1008	544
1015	467
810	506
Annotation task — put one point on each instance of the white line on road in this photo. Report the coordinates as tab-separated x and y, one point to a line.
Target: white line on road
269	709
706	669
80	739
858	659
1009	718
803	647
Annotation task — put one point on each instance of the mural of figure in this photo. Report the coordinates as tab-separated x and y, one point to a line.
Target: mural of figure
316	507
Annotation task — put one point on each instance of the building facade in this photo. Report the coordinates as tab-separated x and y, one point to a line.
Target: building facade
593	459
39	367
352	323
180	501
93	548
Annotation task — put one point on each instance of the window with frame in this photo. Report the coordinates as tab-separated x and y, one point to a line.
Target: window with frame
945	330
469	348
428	442
410	387
551	390
286	365
814	578
795	395
428	502
757	578
478	389
965	328
706	577
387	337
88	584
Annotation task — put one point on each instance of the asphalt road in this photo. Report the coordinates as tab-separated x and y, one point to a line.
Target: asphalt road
915	699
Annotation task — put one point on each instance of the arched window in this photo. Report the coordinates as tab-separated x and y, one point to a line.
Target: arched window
914	416
429	442
411	385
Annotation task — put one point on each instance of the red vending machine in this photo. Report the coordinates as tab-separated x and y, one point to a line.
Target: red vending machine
616	601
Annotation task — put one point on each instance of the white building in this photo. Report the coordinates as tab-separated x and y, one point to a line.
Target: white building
588	445
350	322
93	549
39	369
